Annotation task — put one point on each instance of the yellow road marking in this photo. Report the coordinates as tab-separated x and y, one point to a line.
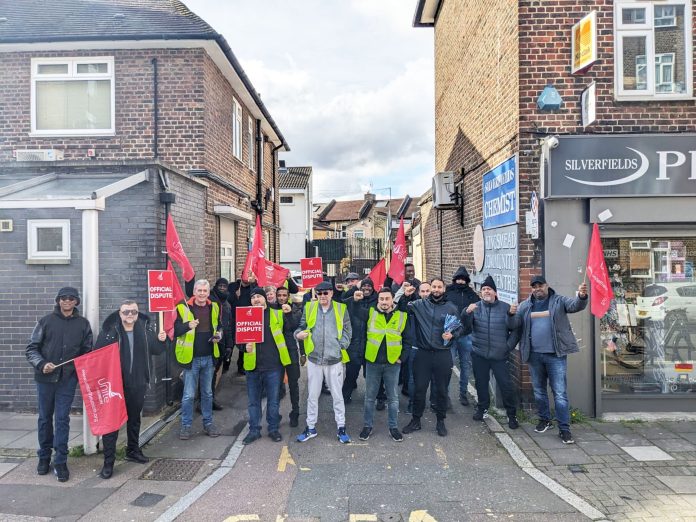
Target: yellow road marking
285	459
363	518
420	515
441	456
242	518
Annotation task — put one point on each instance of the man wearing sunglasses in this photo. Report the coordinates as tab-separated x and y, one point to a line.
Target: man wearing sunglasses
326	332
137	338
57	337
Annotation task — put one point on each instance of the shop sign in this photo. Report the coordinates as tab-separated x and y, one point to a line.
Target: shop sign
584	43
500	195
502	261
622	165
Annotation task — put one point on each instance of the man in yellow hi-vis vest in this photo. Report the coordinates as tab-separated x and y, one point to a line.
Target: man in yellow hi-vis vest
265	364
325	330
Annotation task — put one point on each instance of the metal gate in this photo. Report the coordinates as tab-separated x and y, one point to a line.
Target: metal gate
341	256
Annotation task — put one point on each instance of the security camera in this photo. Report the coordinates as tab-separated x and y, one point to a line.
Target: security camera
552	142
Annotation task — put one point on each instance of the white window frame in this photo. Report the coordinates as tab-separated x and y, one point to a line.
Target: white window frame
673	17
622	30
73	75
359	233
291	202
671	64
252	149
236	129
34	254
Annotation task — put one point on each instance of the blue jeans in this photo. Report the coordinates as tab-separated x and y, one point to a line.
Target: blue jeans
269	380
548	368
374	373
462	348
201	372
55	399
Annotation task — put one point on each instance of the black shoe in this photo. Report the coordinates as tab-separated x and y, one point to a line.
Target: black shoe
480	414
543	425
275	436
137	456
440	427
463	400
217	406
251	437
106	471
43	466
61	472
293	419
365	433
513	424
566	437
396	435
381	404
412	426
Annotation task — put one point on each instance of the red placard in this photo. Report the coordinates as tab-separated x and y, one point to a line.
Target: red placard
249	324
160	290
312	273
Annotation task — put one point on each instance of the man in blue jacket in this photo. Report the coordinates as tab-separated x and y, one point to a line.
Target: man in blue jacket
546	340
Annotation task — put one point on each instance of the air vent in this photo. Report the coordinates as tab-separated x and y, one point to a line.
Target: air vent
39	155
5	225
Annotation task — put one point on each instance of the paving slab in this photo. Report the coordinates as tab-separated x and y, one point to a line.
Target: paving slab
569	455
549	440
673	445
680	484
49	501
628	440
7	437
647	453
680	426
599	447
691	437
6	467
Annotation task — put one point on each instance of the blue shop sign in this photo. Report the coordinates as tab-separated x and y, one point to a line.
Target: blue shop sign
500	195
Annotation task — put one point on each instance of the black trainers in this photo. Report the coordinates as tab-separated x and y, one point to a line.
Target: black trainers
412	426
365	433
463	400
43	466
211	430
396	435
440	427
566	437
294	416
543	425
107	470
61	472
251	437
137	456
480	414
275	436
217	406
513	424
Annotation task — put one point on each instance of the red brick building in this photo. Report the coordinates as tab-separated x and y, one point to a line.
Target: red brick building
627	148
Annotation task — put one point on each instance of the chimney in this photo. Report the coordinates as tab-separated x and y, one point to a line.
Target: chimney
369	196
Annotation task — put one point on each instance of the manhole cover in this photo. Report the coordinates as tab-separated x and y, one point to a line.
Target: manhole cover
147	500
170	469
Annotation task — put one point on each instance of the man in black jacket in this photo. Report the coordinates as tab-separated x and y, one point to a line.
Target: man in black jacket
462	295
219	294
137	340
494	335
239	294
57	337
291	319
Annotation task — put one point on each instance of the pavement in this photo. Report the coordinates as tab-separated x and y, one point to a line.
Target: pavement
481	471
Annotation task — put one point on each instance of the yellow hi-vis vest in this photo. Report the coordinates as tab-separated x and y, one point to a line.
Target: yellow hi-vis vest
378	328
184	343
311	309
276	325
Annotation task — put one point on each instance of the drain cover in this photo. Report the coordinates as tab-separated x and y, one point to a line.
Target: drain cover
577	468
147	500
171	469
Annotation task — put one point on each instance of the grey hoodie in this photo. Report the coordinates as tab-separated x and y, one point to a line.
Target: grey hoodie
327	345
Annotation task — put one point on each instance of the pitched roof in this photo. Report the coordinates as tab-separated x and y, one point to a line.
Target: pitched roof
359	208
344	211
295	177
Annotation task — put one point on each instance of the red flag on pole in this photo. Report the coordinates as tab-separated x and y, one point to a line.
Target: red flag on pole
170	317
397	268
257	252
276	275
101	384
378	274
601	293
176	251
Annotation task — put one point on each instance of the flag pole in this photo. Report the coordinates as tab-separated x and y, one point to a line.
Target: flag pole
167	352
64	362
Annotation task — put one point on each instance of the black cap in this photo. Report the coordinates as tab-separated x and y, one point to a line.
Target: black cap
352	276
68	291
367	282
324	285
537	279
489	283
257	290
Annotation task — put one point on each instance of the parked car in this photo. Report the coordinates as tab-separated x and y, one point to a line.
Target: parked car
660	298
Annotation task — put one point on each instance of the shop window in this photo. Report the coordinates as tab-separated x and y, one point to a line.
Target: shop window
653	52
48	241
648	336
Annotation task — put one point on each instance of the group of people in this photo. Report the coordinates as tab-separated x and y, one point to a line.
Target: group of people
396	334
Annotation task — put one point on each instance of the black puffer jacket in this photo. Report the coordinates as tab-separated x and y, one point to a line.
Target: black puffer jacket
56	339
494	329
146	345
358	321
429	316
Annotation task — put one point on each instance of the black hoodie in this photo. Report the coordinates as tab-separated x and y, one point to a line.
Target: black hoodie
461	295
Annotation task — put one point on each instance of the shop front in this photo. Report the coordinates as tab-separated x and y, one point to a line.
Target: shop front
641	189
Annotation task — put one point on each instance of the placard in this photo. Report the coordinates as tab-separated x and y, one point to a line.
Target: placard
584	43
249	324
160	290
500	195
312	273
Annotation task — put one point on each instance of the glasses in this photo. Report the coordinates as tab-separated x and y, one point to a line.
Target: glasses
67	298
323	292
129	312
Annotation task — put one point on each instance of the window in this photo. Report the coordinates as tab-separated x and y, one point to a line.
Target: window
250	138
287	200
48	240
72	96
653	50
359	233
236	129
228	236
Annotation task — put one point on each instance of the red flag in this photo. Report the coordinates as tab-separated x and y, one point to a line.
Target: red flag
257	252
276	275
176	251
170	317
397	269
601	293
99	375
378	274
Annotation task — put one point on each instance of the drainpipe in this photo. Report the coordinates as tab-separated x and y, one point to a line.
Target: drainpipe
259	169
155	109
274	158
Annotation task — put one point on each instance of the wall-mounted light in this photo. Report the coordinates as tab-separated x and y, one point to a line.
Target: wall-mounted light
549	99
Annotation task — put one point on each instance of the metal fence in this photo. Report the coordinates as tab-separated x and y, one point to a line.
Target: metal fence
341	256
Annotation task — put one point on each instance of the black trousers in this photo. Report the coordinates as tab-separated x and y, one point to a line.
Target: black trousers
135	398
352	373
435	364
293	371
482	374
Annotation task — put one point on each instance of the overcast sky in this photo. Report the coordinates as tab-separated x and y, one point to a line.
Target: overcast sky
349	83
